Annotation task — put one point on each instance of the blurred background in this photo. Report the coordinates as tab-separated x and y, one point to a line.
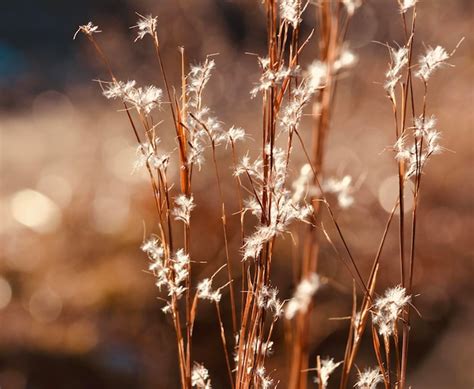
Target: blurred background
77	309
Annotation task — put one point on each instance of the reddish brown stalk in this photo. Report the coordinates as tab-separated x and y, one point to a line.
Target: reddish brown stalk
168	210
397	352
179	341
386	342
404	355
318	368
242	215
378	354
242	334
406	88
248	358
185	179
224	345
353	327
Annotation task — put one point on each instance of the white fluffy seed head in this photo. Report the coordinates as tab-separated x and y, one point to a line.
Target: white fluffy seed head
346	60
265	381
118	89
405	5
425	144
168	308
369	379
388	308
290	11
433	59
148	154
313	79
144	99
183	207
205	292
399	58
317	74
87	29
153	248
424	125
327	368
197	79
200	377
267	299
234	134
342	188
302	183
170	273
302	296
271	77
146	25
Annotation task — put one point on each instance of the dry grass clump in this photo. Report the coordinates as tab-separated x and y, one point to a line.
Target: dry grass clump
286	90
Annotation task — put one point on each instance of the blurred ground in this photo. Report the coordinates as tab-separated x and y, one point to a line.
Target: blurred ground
76	308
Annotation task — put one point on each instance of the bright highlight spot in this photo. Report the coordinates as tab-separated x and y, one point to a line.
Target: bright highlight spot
34	210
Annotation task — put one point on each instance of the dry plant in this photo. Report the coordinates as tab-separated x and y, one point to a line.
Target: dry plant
285	90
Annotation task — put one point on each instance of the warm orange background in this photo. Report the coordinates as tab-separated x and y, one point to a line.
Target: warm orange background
76	308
